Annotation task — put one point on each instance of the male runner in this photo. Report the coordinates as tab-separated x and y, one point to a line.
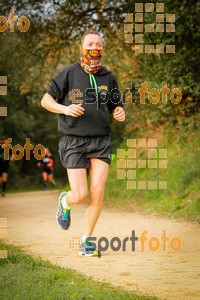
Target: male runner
4	167
47	168
86	142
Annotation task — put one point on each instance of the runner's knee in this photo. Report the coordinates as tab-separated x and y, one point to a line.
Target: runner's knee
97	189
79	196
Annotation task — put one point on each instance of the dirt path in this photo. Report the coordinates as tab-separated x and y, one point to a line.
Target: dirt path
169	275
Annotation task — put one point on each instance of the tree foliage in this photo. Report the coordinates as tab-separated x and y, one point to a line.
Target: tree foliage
32	58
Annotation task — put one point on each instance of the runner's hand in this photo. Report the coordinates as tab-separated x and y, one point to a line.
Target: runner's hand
74	110
119	114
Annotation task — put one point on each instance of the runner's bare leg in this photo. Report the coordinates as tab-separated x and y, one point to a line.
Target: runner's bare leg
4	177
44	176
78	183
98	176
50	177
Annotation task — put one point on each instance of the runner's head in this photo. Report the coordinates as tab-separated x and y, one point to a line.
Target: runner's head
91	40
91	51
46	150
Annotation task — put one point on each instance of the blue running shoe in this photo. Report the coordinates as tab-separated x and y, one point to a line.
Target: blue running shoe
86	249
63	214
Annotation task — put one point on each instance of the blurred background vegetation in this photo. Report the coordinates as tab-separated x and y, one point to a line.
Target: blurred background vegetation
52	42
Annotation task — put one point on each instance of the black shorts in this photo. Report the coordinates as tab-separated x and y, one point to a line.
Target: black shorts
76	151
47	170
4	166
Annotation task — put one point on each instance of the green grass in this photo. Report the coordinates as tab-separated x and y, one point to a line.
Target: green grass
181	198
24	277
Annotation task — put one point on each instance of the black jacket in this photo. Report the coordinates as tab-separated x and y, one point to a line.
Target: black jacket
94	121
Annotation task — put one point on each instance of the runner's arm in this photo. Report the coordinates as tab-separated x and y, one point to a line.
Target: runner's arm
50	104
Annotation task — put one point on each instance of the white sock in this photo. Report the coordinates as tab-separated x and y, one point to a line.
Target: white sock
64	203
84	237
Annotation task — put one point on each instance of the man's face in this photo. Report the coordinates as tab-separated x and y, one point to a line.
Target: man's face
92	41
